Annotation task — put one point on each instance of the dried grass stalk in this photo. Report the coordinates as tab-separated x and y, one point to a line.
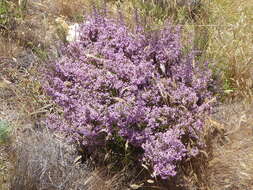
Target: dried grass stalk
43	162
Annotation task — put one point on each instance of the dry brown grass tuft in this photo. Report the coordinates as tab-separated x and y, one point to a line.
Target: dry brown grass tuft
43	161
21	88
4	169
73	10
24	50
8	49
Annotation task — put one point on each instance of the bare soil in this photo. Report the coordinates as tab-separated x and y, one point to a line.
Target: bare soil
232	165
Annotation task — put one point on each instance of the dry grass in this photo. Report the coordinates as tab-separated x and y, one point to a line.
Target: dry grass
222	32
23	51
230	45
8	49
71	10
42	161
4	169
17	90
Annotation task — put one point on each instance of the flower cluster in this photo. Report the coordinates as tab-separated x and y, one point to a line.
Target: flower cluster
138	85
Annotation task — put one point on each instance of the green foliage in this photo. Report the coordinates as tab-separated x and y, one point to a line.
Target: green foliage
4	131
40	52
9	13
121	153
3	12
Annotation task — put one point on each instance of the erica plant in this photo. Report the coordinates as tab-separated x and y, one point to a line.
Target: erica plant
140	86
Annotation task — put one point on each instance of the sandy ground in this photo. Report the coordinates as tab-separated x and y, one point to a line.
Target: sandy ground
232	165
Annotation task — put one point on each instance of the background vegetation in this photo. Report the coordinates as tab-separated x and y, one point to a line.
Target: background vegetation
221	31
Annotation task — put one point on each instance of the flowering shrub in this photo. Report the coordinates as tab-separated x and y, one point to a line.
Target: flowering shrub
140	86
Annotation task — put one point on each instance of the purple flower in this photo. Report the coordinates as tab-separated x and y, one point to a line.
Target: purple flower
136	85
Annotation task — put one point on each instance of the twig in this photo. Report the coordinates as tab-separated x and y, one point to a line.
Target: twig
3	27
